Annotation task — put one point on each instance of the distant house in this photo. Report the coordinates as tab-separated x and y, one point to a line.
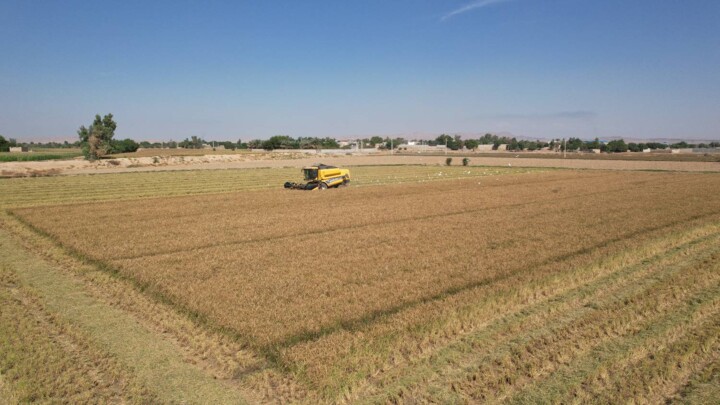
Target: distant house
502	146
420	148
18	149
484	148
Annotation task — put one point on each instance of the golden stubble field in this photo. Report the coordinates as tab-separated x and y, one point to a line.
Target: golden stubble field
505	287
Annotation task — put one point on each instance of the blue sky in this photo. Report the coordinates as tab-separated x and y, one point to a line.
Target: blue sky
252	69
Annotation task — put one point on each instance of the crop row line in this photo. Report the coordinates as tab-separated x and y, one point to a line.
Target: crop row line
571	322
588	286
355	324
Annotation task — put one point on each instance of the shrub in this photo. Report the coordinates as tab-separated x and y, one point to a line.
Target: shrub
448	161
466	161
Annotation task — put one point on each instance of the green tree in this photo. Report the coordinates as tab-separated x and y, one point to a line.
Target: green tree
533	145
329	143
618	145
472	144
280	142
227	145
375	140
124	146
193	143
394	143
309	143
96	139
453	143
4	144
488	139
574	144
255	144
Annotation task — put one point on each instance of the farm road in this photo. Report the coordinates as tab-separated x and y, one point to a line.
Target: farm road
212	162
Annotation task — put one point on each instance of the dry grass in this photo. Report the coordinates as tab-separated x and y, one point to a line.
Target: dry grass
403	291
29	173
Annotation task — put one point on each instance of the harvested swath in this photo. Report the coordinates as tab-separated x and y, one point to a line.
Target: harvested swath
284	292
586	337
408	347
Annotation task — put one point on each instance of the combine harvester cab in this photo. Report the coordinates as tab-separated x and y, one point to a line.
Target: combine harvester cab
321	177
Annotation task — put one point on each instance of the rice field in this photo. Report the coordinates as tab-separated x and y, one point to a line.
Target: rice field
417	283
124	186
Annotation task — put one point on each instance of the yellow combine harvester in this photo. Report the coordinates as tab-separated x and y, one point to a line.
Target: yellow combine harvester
321	177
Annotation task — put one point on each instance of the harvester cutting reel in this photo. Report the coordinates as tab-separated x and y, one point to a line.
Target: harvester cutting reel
319	185
304	186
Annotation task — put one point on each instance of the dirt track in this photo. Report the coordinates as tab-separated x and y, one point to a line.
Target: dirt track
69	167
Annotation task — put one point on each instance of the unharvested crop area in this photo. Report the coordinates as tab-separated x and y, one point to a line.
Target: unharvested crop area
40	155
123	186
496	285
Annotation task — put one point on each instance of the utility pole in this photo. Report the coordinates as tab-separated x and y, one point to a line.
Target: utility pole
564	149
392	149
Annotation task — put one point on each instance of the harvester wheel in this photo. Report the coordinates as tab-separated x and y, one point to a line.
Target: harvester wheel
345	182
322	186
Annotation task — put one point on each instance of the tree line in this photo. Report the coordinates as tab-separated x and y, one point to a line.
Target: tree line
97	140
456	142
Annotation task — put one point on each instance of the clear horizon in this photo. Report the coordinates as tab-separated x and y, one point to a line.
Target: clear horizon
228	71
